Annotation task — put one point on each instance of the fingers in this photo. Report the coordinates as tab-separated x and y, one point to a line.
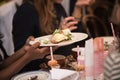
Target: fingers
83	2
31	38
69	18
36	45
73	28
69	22
44	51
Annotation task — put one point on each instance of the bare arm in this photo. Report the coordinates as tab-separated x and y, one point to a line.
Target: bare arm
12	58
17	55
32	53
78	7
77	12
8	72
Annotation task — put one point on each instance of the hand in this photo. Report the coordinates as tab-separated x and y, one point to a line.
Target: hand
68	22
80	3
23	50
35	52
27	45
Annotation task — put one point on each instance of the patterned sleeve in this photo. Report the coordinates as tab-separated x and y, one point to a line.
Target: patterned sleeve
112	66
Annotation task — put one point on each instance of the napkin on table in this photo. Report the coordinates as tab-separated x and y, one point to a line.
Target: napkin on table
89	59
60	74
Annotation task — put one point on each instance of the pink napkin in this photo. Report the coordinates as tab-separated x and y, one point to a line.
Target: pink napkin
98	56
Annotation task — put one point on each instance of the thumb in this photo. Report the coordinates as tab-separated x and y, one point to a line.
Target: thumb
36	45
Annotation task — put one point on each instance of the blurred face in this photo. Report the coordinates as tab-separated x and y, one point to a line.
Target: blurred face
58	1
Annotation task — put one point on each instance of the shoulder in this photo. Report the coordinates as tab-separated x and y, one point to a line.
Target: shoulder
26	8
113	57
60	11
59	6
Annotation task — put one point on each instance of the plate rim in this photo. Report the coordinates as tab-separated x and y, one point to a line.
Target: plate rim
62	44
29	72
76	48
105	37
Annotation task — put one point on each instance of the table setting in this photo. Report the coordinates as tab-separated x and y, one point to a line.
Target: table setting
70	70
86	64
54	65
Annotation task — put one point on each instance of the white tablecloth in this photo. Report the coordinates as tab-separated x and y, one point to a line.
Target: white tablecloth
6	15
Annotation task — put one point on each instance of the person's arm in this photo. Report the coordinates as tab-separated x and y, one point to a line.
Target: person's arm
77	12
17	55
8	72
32	53
13	58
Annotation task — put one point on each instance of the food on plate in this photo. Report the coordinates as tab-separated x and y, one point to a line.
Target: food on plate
52	63
44	41
61	35
106	46
33	78
60	59
79	67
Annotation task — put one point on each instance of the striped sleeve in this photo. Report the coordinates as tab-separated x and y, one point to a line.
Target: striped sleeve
112	66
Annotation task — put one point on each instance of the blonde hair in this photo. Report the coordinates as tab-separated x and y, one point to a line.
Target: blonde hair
46	16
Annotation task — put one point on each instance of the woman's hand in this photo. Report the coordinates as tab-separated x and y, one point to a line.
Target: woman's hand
68	22
80	3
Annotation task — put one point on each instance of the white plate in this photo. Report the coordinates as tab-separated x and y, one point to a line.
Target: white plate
41	75
75	38
108	39
80	49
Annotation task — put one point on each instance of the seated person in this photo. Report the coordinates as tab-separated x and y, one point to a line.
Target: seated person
40	18
112	62
13	64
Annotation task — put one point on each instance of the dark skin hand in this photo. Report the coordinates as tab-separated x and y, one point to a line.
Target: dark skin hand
17	61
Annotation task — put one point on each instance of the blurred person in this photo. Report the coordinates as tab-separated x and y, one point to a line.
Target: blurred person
99	8
81	7
77	6
39	18
13	64
78	9
112	62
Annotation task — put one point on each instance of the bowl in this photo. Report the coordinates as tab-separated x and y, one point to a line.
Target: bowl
60	58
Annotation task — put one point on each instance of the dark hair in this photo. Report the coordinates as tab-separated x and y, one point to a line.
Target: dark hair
24	1
118	1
